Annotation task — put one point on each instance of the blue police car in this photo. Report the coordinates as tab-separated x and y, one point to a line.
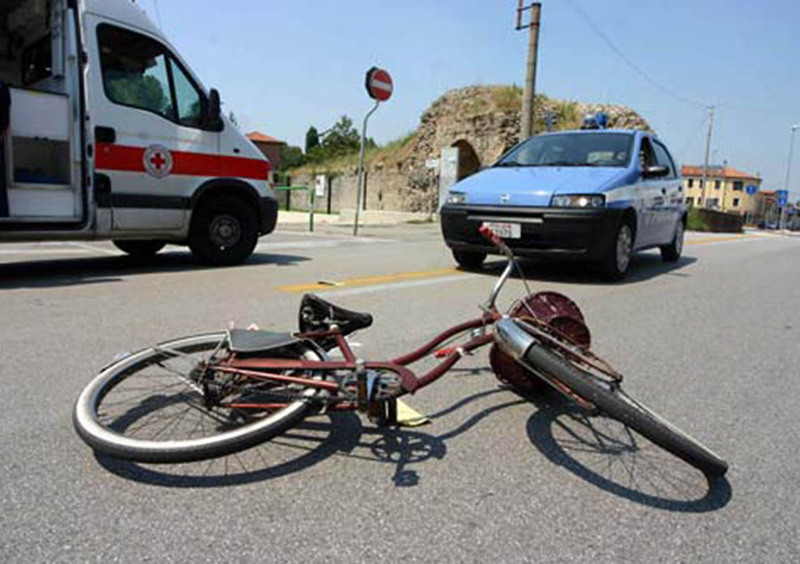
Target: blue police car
595	194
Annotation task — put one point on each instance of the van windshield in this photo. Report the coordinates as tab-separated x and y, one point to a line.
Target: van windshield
572	149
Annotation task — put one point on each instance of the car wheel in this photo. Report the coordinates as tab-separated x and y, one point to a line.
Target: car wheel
469	259
615	265
672	252
224	231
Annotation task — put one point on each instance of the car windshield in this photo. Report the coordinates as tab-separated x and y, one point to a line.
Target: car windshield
572	149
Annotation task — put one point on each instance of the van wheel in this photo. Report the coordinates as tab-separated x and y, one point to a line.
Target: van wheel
618	258
224	231
140	249
469	259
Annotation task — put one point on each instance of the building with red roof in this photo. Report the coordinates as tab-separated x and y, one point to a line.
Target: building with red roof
270	146
725	188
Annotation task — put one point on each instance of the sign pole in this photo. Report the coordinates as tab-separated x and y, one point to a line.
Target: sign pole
311	204
360	184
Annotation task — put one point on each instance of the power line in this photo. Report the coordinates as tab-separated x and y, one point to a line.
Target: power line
656	84
693	138
756	109
630	63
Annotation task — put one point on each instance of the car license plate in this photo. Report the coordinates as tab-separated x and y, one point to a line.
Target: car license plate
505	230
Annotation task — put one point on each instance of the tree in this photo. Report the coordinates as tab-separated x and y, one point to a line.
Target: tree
341	139
291	157
312	139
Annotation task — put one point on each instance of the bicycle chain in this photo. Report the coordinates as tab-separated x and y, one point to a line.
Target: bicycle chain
333	399
295	396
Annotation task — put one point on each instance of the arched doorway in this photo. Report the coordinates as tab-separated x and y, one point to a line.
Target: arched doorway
468	161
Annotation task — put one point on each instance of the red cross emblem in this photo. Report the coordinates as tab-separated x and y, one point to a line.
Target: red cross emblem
157	161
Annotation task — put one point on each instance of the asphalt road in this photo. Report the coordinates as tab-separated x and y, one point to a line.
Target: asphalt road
711	343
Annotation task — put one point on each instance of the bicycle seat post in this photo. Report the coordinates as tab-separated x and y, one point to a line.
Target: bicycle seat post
361	384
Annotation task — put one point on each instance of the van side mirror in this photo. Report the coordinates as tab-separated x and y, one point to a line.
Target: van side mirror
656	171
213	120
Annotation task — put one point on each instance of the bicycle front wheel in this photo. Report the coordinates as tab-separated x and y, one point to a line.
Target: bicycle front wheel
151	406
615	403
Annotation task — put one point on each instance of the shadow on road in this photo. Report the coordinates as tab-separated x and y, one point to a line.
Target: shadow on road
311	442
607	454
299	448
644	266
601	451
99	270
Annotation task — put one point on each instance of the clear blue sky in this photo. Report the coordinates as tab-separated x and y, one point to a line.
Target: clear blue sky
282	66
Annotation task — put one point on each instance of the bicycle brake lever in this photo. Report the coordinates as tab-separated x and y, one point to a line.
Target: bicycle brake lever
448	351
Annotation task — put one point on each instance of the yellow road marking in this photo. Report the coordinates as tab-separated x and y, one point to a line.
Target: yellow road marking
719	239
324	285
366	281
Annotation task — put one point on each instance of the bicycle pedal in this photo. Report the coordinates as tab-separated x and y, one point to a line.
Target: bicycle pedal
383	413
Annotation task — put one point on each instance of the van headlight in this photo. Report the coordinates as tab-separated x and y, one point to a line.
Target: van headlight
578	201
456	197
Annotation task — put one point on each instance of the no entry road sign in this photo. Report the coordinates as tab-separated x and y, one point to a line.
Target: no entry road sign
379	84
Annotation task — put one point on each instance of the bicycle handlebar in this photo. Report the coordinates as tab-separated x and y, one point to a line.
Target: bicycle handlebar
487	232
495	239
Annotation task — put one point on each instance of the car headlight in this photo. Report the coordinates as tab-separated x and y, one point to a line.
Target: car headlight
456	198
578	201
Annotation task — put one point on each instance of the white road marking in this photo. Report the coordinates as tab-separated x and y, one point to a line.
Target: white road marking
100	250
42	252
319	244
54	247
78	248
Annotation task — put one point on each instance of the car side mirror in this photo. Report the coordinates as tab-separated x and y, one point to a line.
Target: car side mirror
655	171
213	119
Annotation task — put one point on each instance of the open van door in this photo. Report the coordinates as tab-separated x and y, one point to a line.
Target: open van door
42	152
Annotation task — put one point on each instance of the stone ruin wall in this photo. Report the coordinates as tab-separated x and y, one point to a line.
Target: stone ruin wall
483	119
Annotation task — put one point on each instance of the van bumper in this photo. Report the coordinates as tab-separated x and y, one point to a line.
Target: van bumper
560	232
269	215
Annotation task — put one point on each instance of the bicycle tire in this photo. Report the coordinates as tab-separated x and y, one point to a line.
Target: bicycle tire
615	403
106	439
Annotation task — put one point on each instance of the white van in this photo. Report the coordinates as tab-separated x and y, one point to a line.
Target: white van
113	136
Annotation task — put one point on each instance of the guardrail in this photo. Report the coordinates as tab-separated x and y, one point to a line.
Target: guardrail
311	195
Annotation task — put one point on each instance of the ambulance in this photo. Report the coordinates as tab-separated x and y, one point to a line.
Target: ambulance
113	136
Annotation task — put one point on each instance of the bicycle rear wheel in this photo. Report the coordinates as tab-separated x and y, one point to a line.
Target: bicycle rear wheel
615	403
150	407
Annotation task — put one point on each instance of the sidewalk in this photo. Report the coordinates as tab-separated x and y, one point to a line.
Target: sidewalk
296	217
347	217
771	232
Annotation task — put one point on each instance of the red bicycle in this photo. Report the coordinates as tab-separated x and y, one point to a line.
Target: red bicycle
214	394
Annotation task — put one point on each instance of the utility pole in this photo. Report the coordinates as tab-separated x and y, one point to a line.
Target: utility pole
782	220
526	126
708	147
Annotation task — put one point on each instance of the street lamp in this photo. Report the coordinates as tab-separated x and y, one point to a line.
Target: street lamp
788	169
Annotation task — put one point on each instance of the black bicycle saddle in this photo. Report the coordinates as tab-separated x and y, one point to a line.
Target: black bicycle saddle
317	314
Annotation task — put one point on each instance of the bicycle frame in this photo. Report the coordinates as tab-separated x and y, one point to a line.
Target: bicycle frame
265	368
